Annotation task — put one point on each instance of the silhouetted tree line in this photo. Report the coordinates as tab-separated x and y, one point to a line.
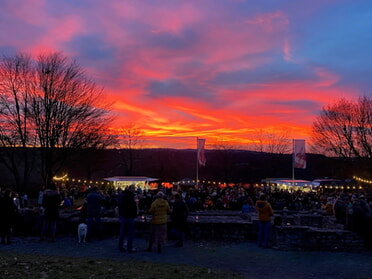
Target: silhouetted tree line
244	166
173	165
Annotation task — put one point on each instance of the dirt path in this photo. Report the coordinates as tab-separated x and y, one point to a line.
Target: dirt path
244	258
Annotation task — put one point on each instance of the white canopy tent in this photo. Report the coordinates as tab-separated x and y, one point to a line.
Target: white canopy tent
287	183
143	182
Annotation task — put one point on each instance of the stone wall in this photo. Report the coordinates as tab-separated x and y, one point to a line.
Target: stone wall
290	232
310	238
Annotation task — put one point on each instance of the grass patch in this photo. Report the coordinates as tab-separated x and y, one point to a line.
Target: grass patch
49	267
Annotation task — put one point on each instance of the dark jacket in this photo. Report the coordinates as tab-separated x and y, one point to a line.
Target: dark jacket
51	202
179	214
95	202
8	210
127	205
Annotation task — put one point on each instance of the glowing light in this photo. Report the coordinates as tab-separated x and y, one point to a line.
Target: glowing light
367	181
58	178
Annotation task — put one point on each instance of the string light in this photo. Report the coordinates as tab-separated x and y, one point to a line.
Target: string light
60	178
362	180
65	178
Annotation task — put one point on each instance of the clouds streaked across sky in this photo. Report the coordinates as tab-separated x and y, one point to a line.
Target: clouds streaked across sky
208	68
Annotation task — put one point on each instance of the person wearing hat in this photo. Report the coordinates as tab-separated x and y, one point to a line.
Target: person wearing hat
159	210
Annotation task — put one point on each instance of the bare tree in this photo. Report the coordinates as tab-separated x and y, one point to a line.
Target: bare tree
61	110
364	126
131	138
15	137
274	144
225	151
272	141
344	129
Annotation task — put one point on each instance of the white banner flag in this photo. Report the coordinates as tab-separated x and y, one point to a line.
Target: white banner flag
201	156
299	155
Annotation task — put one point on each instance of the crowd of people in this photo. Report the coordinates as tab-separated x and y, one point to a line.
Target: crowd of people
351	208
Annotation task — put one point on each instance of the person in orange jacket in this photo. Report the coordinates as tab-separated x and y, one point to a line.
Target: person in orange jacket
265	212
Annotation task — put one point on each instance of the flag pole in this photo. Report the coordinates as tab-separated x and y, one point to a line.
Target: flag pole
293	163
197	163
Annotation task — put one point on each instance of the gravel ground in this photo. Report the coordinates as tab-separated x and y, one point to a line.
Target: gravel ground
244	257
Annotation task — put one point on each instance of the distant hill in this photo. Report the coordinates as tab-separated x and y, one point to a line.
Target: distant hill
175	164
231	165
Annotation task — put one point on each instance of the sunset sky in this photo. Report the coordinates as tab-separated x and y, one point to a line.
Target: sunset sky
209	68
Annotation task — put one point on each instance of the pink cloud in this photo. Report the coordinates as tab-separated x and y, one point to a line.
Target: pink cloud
33	13
191	43
270	22
326	77
60	31
287	51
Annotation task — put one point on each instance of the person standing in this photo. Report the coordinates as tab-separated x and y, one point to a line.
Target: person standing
16	200
24	200
94	207
51	202
128	211
179	216
265	212
8	212
40	197
159	210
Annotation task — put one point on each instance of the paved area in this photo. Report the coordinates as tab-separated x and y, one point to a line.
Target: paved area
244	257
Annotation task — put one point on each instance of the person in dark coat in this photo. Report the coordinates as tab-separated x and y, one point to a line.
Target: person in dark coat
51	202
179	215
128	211
94	206
8	212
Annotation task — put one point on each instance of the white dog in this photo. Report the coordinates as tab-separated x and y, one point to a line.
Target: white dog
82	232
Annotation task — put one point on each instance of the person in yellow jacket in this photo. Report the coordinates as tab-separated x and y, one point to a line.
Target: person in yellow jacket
265	212
159	210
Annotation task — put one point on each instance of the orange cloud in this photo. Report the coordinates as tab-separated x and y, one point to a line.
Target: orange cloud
181	69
